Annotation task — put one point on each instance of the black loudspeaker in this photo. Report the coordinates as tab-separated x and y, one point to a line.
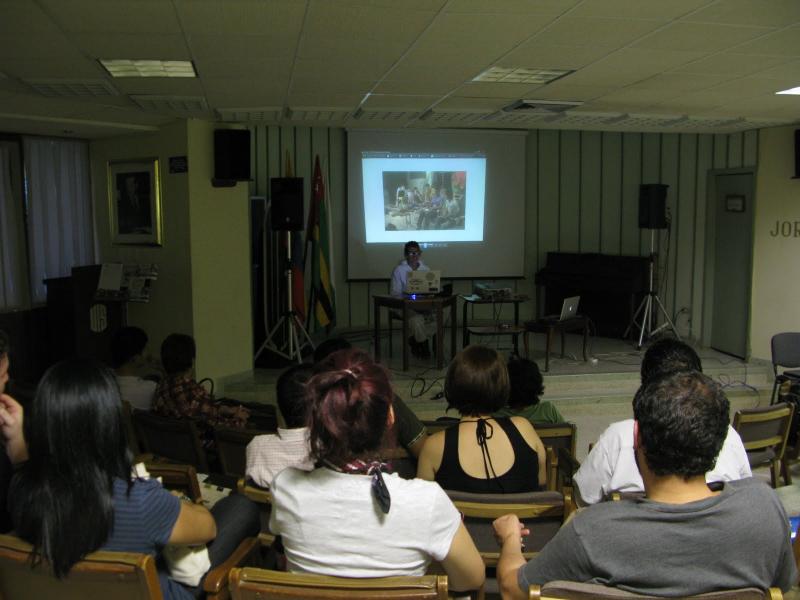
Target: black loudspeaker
653	206
231	155
286	194
796	154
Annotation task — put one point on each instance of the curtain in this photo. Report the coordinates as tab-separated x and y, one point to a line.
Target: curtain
60	231
12	270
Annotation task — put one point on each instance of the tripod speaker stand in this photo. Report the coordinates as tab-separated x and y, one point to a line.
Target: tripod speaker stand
652	216
287	196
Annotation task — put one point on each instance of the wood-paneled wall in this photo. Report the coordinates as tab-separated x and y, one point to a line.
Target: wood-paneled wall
582	192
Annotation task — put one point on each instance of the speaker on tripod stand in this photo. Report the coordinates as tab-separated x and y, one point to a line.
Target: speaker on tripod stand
286	208
652	216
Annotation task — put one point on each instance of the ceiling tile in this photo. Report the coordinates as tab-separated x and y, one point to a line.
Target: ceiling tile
609	33
222	93
117	16
330	85
418	86
338	100
562	90
679	82
159	85
244	69
781	43
731	64
369	70
700	37
245	47
640	9
495	90
376	101
36	68
777	13
281	18
391	24
462	103
23	16
544	7
629	66
26	46
134	46
537	55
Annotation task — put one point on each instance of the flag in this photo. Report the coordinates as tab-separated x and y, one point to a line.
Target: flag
297	265
324	302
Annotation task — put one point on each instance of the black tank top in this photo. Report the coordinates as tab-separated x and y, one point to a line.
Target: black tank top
523	476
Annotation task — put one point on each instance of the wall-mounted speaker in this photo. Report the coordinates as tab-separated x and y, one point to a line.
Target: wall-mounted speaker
653	206
286	195
231	155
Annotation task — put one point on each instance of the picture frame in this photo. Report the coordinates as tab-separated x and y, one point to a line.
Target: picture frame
134	201
735	203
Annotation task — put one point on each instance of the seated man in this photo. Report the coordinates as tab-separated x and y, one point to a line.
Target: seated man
14	450
421	324
527	385
127	358
684	538
268	455
611	465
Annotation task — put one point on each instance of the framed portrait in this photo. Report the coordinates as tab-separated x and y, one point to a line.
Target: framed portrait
134	201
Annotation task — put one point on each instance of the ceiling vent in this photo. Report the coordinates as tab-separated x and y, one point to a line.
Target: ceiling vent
181	105
250	115
543	107
72	88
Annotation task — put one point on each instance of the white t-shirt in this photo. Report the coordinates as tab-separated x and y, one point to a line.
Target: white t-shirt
331	525
137	391
611	465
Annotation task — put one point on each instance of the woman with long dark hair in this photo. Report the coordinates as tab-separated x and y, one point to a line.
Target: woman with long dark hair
76	492
349	517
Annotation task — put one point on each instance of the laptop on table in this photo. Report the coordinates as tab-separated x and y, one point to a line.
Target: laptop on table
569	309
424	282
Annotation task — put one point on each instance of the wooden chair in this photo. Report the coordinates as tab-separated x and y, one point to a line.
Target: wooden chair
177	477
173	439
785	349
117	575
232	448
543	512
252	584
570	590
764	432
558	435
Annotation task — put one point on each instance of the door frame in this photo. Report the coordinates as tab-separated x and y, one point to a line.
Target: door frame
710	250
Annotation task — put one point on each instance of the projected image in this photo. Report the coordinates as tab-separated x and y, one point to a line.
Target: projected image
424	200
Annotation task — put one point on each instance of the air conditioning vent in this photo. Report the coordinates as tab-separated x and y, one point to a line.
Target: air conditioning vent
544	107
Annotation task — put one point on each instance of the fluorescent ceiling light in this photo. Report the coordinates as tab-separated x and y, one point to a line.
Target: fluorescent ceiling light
795	91
149	68
521	75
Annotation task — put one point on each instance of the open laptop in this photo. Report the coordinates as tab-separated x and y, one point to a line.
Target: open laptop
568	310
424	282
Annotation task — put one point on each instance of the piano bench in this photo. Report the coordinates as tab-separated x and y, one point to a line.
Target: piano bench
550	327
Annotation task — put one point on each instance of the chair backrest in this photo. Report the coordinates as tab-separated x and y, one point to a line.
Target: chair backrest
173	439
766	427
117	575
130	430
543	512
786	350
558	435
570	590
232	448
252	584
439	424
256	493
177	477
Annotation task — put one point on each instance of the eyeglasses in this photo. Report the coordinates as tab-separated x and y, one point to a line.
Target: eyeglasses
414	252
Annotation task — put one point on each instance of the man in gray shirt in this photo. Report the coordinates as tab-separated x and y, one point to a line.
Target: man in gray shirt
684	538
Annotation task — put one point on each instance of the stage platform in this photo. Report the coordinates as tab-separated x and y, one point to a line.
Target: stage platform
590	394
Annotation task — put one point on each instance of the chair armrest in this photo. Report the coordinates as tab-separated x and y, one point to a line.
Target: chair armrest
217	578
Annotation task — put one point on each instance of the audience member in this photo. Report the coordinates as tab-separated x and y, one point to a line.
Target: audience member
180	396
268	455
682	539
76	492
611	465
527	386
127	358
349	519
411	432
503	455
11	418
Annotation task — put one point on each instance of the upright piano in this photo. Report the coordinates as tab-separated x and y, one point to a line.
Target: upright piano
610	287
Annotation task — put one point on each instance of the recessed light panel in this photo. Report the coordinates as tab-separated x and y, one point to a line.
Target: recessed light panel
795	91
149	68
521	75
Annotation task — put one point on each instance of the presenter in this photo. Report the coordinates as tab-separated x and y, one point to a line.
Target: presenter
421	324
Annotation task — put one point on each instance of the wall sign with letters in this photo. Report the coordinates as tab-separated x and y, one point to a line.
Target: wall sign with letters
786	229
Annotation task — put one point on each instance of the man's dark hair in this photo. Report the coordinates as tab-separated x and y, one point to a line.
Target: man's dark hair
177	353
291	392
126	343
667	356
683	421
409	246
5	343
329	346
526	382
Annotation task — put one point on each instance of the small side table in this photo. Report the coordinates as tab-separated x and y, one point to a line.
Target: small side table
550	327
502	329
